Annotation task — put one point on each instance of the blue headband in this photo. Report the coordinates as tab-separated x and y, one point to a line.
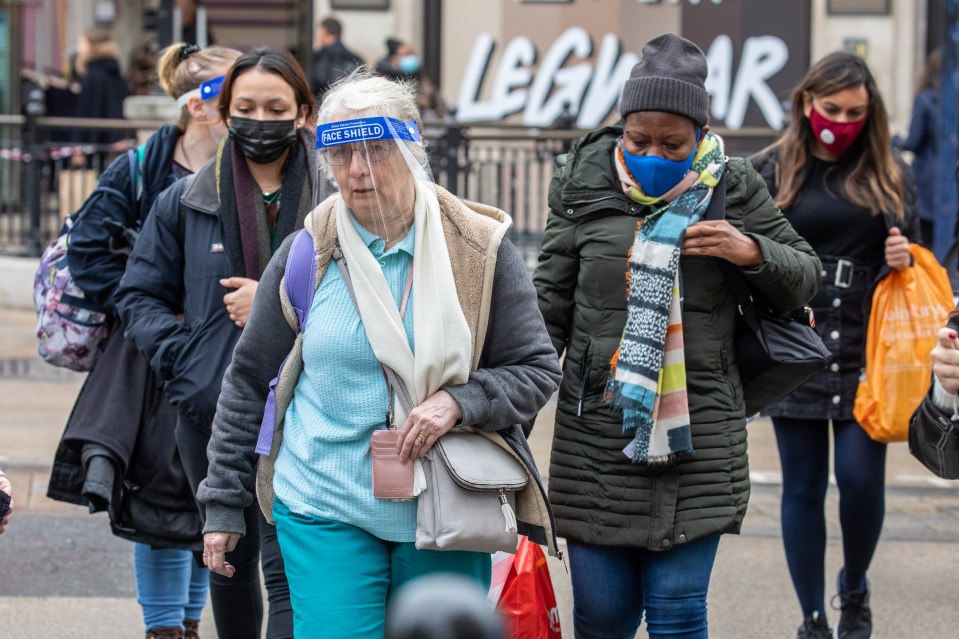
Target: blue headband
206	91
364	130
211	88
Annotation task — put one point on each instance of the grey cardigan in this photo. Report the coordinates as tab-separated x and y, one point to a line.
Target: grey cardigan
518	371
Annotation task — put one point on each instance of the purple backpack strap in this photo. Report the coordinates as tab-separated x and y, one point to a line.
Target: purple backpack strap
300	275
299	278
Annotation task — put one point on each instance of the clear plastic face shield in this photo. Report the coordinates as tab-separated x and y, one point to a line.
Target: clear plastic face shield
378	165
208	92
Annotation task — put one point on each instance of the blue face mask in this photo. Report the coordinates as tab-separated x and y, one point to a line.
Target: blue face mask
657	175
409	63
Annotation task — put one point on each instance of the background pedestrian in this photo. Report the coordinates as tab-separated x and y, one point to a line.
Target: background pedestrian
835	177
332	61
189	286
102	87
923	140
122	419
7	509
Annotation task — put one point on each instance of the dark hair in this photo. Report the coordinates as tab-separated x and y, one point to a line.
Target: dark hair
271	60
392	46
875	180
332	26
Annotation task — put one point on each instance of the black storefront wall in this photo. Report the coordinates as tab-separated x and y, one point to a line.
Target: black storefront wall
758	52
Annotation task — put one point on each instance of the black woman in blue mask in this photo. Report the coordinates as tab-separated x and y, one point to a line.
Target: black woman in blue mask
648	466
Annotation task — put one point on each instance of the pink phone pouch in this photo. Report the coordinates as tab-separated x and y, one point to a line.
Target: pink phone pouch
392	479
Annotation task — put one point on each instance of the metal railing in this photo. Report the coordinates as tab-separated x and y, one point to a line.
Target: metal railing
42	180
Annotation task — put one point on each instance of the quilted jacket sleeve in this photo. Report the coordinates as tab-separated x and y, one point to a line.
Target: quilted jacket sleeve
790	273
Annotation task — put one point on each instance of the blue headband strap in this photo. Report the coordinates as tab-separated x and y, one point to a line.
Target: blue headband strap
364	130
211	88
206	91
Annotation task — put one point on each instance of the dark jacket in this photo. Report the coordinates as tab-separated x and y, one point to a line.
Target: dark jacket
95	268
188	243
842	314
102	92
923	141
331	63
598	495
932	428
118	452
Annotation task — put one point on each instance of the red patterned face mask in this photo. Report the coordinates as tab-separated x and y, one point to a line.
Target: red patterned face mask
837	137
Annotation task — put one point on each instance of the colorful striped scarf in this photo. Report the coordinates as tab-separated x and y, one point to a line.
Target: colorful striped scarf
648	376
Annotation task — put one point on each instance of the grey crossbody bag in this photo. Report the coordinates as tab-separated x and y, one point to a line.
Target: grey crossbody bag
470	498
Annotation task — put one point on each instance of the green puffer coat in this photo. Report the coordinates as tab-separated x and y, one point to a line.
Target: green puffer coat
599	497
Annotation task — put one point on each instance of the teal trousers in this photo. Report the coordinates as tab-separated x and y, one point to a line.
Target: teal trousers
341	577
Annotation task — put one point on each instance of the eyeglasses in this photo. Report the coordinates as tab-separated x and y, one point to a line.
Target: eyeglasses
369	151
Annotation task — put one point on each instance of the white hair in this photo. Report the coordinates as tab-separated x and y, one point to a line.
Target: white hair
363	94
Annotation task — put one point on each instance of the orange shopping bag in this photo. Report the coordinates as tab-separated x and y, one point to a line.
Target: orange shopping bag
908	307
527	602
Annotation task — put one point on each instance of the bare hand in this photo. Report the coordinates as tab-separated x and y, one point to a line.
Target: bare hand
426	423
897	250
719	238
215	547
945	360
239	302
6	488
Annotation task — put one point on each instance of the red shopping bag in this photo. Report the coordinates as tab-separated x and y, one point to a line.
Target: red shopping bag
527	601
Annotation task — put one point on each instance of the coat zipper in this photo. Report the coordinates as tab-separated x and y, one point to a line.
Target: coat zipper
584	378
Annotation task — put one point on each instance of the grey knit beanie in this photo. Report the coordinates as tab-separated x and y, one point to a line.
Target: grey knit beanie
671	77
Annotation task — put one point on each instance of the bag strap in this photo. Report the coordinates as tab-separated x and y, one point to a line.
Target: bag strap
136	188
299	276
402	392
734	277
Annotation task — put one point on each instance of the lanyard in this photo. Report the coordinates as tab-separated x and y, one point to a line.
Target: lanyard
389	387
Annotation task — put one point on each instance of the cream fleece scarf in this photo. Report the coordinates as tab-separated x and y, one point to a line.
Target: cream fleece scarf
441	335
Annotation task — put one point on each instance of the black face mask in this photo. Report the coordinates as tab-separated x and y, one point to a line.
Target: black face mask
262	141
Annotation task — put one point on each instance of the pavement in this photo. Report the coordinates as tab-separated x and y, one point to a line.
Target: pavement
63	575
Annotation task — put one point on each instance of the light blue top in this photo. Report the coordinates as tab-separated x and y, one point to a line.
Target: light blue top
323	468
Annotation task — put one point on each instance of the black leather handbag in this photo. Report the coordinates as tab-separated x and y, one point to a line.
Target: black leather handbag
776	352
934	440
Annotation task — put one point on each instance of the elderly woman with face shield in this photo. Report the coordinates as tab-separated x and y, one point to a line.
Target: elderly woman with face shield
649	464
409	278
185	297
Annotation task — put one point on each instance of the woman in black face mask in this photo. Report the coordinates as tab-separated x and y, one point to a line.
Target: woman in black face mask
189	286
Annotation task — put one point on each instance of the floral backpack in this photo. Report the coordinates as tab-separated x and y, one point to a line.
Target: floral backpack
71	327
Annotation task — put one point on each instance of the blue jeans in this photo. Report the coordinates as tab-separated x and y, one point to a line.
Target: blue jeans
341	577
613	587
171	586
